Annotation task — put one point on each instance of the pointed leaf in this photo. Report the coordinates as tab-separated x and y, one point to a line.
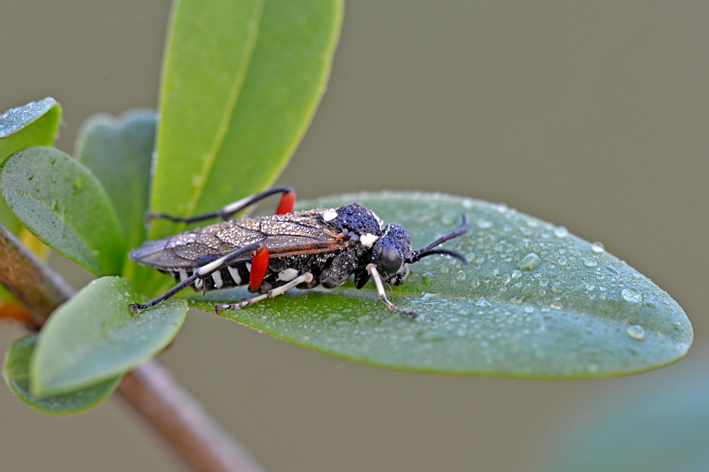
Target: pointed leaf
34	124
94	337
241	82
119	152
16	373
60	202
534	302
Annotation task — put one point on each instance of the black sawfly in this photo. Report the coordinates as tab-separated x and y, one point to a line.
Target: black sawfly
272	254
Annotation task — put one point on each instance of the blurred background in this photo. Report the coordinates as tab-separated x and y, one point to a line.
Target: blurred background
590	115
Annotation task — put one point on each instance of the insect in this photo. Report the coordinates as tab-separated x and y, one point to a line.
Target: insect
272	254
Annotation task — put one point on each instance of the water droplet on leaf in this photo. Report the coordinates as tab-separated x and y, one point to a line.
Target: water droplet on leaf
636	332
530	261
590	262
632	295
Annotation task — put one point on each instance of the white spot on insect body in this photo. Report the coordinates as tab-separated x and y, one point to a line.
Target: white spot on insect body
234	275
218	282
248	267
286	275
368	239
379	220
198	284
329	215
183	274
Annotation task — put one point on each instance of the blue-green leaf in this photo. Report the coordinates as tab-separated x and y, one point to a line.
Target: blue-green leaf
119	152
60	202
16	373
534	302
34	124
94	337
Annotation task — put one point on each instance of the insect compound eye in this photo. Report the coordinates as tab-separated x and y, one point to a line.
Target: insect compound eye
390	260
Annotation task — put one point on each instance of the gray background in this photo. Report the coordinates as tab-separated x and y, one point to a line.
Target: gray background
591	115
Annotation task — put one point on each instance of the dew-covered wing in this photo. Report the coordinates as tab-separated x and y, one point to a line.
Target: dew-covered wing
284	235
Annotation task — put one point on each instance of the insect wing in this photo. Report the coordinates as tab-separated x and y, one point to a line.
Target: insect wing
284	235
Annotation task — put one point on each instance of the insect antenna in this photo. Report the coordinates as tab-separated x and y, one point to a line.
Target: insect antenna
428	250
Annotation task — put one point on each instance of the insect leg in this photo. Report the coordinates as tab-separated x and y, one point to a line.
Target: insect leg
382	294
306	277
201	274
284	206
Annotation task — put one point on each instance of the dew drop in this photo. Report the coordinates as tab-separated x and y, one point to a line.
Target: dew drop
30	176
529	262
461	276
597	247
632	295
483	224
561	232
636	332
590	262
516	274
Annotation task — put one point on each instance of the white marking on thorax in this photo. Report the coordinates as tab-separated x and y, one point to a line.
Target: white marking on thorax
234	275
248	267
183	274
217	276
286	275
329	215
379	220
198	283
368	239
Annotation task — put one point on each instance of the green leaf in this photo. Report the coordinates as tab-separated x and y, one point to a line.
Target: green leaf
94	336
241	82
654	424
119	152
60	202
16	373
35	124
534	302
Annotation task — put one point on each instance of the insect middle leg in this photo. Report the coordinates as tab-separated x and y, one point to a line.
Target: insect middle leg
383	296
204	272
284	206
304	278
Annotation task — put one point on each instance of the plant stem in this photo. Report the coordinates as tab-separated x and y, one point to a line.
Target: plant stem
193	434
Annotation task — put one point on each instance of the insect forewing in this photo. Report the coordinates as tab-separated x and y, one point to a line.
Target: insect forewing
296	233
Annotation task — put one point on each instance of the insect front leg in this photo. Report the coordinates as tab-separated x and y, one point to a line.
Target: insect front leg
204	272
304	278
285	205
383	296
